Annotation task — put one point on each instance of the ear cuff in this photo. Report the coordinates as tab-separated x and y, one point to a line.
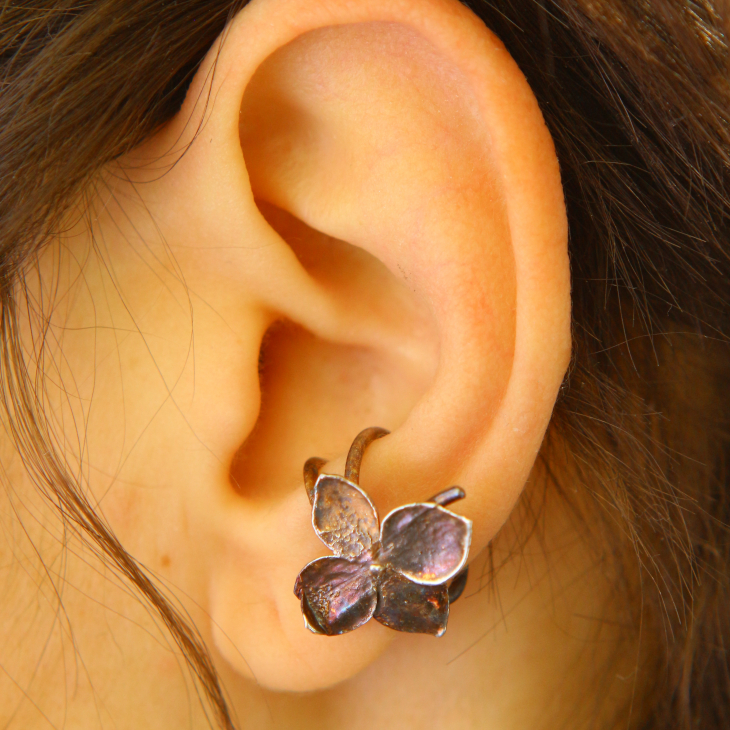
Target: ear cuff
404	573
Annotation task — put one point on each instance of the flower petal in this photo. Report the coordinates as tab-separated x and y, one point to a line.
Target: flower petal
343	517
337	595
407	606
425	542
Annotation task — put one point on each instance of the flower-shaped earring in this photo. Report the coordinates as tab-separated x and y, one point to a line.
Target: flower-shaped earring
397	574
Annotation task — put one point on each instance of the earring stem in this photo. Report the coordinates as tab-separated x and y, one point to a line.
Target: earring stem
311	473
354	456
452	494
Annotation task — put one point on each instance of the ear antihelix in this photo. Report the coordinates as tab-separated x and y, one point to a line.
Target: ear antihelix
406	577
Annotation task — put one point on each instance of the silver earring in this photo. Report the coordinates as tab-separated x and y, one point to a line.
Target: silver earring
403	574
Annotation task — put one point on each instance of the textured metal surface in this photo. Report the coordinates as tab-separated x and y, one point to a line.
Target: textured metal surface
337	595
343	517
354	456
397	574
407	606
425	542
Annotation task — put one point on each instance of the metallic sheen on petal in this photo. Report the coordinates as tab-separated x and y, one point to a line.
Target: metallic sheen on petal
337	595
425	542
343	517
407	606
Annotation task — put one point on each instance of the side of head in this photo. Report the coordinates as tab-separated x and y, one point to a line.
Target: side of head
355	217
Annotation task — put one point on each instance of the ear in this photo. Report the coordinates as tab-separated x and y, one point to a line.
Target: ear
371	184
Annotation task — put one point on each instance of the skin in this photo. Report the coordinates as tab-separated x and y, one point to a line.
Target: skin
368	229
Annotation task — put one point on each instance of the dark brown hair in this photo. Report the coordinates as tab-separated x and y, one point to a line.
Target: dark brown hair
636	95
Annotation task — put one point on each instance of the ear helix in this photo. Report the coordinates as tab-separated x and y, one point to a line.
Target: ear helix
404	574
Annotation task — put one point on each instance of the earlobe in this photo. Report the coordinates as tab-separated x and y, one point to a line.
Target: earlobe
395	197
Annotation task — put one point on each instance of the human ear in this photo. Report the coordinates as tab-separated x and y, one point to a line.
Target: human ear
371	203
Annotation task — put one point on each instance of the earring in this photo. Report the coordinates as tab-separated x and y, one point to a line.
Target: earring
396	574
